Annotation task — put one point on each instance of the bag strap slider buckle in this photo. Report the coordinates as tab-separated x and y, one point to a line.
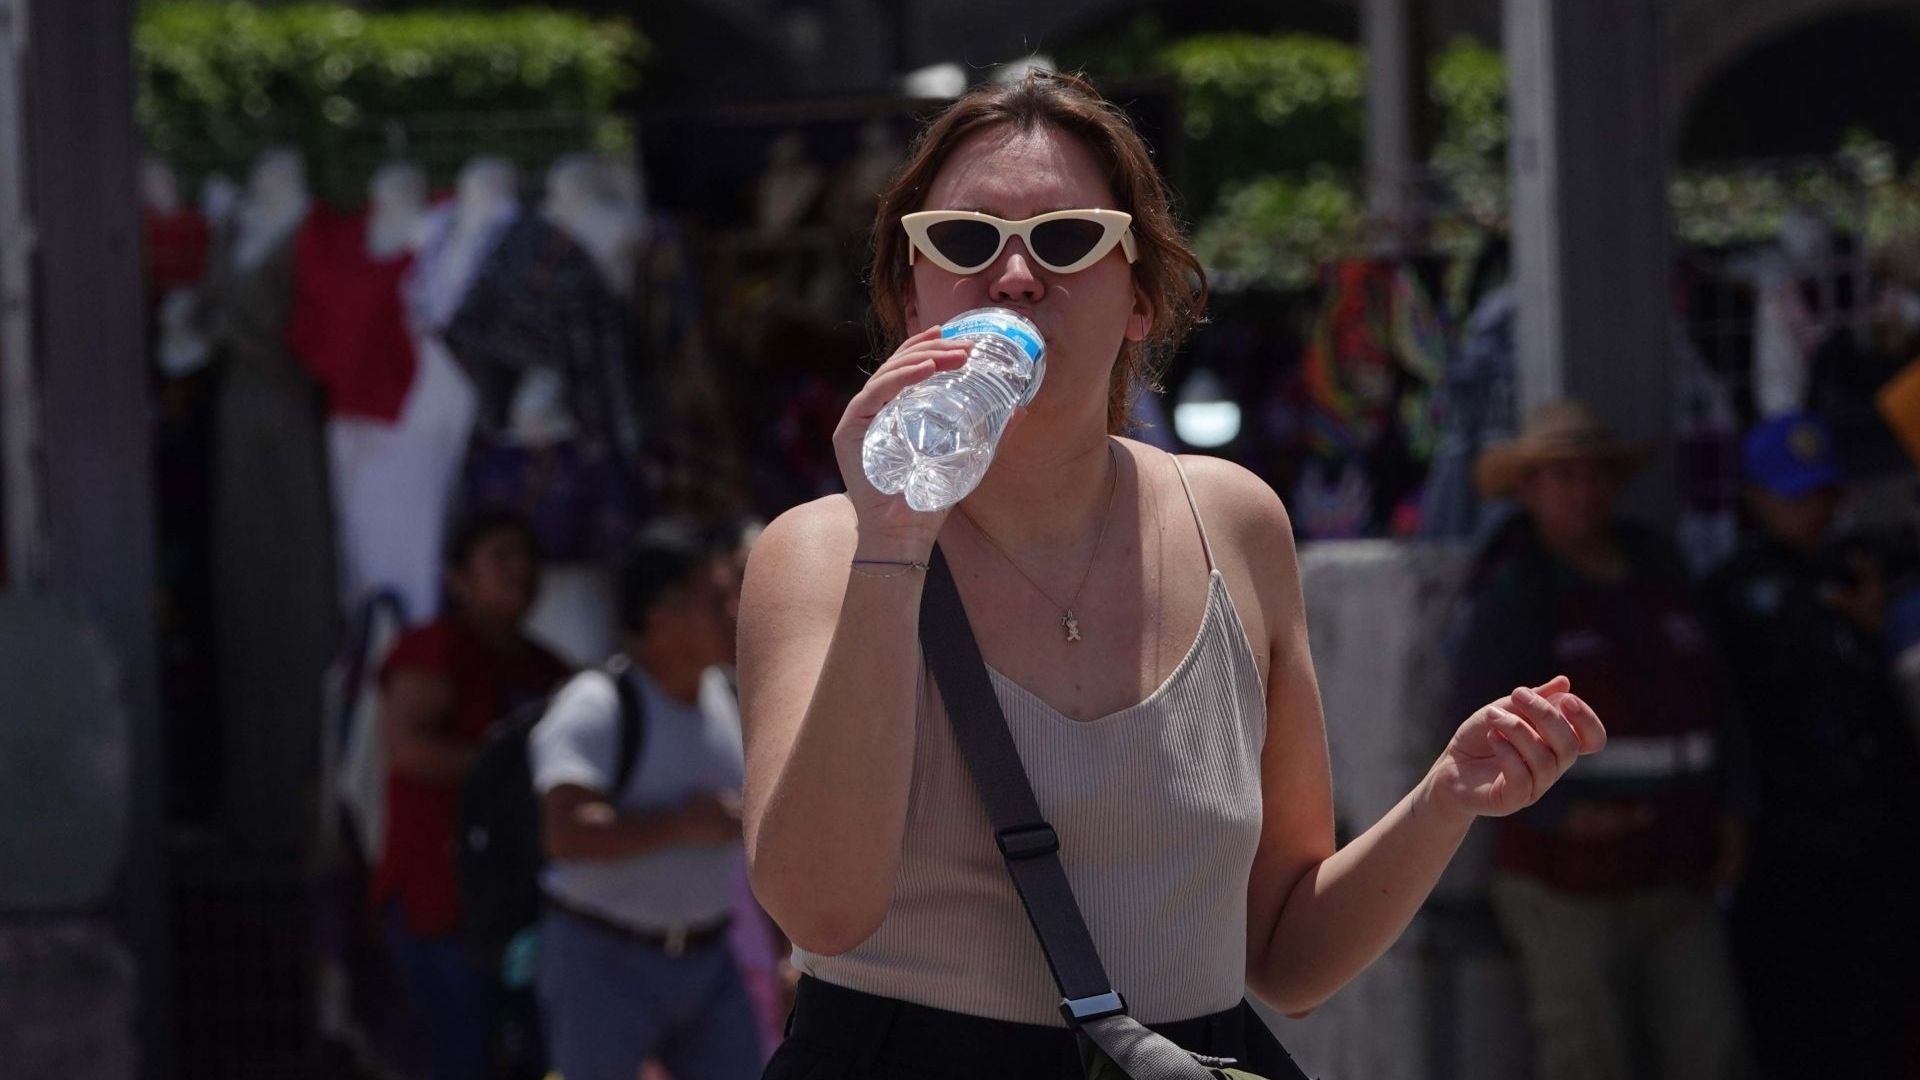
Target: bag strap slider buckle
1088	1009
1027	841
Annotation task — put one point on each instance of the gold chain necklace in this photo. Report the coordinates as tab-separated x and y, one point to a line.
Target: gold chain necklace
1070	622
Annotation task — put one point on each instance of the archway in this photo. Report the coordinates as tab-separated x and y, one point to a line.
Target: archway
1797	91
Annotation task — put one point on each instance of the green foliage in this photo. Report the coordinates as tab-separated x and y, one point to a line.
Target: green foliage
1276	230
1275	129
1275	137
1860	190
221	81
1266	106
1468	87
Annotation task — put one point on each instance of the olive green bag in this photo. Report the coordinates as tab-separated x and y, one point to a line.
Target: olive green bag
1113	1045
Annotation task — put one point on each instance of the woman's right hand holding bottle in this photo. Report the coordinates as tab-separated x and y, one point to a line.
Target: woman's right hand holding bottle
889	528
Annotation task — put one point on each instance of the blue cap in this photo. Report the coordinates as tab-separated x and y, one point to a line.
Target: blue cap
1791	456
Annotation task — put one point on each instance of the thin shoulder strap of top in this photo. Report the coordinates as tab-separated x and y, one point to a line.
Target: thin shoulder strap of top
1205	544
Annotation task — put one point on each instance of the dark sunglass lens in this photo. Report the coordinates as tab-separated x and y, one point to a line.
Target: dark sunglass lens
1066	241
967	243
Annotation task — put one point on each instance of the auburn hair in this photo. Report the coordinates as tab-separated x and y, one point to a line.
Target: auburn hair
1167	271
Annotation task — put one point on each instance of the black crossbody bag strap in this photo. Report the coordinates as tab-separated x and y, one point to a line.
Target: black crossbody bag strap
1029	845
633	725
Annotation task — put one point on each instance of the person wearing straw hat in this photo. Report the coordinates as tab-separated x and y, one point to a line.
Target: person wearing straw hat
1835	768
1606	887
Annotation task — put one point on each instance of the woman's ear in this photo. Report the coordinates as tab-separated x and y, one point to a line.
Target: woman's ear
1140	320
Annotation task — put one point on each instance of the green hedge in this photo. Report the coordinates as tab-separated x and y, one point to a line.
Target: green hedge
1275	131
1275	142
1257	107
221	81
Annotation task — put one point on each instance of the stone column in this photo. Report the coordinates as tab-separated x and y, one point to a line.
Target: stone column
89	361
1396	106
1589	161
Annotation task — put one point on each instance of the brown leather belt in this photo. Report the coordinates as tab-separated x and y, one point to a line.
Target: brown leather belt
673	941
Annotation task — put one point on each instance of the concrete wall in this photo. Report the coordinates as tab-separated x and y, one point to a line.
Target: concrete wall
1445	1001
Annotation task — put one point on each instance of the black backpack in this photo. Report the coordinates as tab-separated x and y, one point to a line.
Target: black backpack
498	852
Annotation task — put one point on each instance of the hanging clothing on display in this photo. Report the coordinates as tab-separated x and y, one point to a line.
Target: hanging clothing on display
584	199
1784	335
177	245
1797	301
394	485
1477	408
177	241
1373	363
400	412
276	610
349	325
1706	445
545	344
454	244
537	304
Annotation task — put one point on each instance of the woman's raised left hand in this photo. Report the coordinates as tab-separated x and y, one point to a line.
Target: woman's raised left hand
1510	752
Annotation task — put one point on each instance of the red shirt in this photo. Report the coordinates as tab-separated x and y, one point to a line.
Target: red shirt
176	250
349	324
416	869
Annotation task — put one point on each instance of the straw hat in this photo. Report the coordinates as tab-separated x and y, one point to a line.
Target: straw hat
1554	431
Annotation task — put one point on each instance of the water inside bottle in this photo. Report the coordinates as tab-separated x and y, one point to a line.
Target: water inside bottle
930	448
935	441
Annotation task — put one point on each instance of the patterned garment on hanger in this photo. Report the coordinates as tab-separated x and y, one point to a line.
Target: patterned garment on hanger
1376	355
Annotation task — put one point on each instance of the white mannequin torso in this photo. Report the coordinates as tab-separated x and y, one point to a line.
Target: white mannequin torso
397	197
275	204
581	204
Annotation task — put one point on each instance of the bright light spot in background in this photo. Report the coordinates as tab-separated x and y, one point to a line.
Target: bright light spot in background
1204	416
948	80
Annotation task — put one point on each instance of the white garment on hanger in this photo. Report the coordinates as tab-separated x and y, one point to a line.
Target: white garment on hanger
1780	357
393	484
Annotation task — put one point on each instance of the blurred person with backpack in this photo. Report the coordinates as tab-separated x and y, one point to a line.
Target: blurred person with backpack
444	686
633	960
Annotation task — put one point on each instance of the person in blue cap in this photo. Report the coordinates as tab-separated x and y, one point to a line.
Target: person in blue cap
1822	926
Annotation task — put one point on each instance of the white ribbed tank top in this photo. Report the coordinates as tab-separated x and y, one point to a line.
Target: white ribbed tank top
1157	808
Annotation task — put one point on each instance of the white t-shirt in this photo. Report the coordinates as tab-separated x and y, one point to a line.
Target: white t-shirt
686	749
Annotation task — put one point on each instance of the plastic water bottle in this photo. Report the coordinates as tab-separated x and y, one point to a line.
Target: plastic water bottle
937	438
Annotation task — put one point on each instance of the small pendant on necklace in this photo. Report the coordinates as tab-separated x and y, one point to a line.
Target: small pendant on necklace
1073	627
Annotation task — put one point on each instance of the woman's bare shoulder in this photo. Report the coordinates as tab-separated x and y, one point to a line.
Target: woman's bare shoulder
1237	505
805	540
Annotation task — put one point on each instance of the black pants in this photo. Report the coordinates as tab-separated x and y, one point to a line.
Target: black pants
840	1034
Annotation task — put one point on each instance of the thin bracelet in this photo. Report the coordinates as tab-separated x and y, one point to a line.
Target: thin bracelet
904	567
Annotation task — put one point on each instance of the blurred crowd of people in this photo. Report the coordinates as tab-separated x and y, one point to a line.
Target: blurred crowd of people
642	942
1725	890
437	406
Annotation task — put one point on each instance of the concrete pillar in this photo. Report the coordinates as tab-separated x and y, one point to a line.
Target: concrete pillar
1441	1004
89	365
1396	107
1587	93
